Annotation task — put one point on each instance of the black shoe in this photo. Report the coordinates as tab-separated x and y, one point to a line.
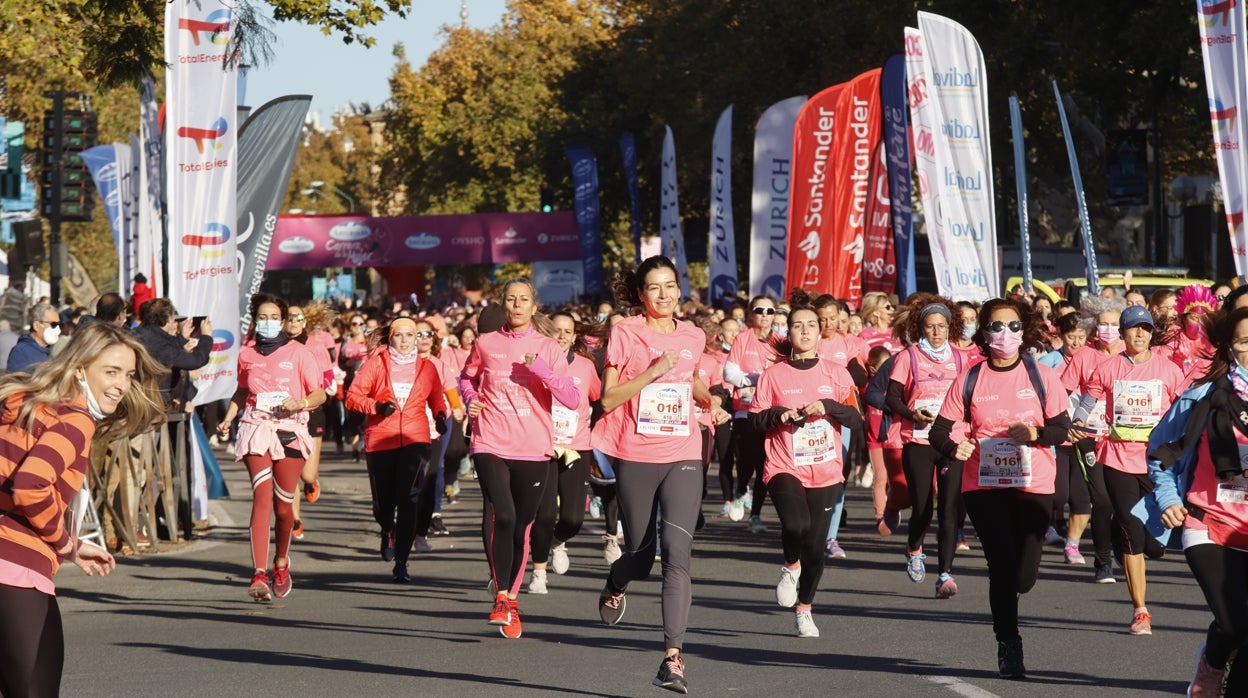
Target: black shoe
355	454
400	573
611	605
437	527
1010	659
387	546
672	675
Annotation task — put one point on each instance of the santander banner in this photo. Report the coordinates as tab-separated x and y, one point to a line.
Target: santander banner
879	261
964	217
1222	28
313	242
202	146
769	222
808	260
855	134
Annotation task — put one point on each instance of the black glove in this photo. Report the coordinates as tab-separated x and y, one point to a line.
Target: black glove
386	409
439	423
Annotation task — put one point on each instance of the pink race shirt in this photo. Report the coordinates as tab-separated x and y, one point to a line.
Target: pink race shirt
291	371
926	382
1136	396
657	425
1226	501
711	371
572	426
752	355
842	348
811	453
1001	398
1078	370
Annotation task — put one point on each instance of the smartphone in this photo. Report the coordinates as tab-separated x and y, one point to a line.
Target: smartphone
196	322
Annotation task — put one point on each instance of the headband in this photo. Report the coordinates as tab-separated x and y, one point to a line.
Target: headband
394	324
938	308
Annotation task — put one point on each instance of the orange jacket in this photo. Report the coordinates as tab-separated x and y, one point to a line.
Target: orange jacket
408	424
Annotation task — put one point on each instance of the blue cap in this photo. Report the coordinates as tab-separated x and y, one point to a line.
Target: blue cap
1134	316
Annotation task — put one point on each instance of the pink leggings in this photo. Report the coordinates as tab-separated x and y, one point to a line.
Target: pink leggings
888	489
267	499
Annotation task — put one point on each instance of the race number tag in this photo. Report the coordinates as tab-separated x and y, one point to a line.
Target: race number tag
930	406
664	409
401	392
271	402
1233	492
1137	403
813	443
565	424
1003	463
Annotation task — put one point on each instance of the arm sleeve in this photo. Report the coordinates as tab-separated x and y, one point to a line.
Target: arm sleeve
1055	431
858	373
938	436
360	396
34	483
877	389
843	414
735	376
562	388
766	420
1086	404
895	400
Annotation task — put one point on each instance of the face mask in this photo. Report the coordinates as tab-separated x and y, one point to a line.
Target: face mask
1108	334
51	335
1193	330
92	406
602	317
268	329
968	330
782	331
1005	343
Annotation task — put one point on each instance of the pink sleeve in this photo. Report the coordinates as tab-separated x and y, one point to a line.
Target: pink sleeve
468	377
561	387
616	354
1056	398
595	386
763	393
1070	375
901	368
953	409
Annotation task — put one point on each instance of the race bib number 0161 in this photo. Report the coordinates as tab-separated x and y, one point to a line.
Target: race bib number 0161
665	409
813	443
1003	463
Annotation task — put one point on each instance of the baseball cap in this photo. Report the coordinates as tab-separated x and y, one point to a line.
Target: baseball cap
1134	316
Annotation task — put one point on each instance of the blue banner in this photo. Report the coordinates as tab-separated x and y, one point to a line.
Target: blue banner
628	152
897	149
1020	180
722	263
1089	246
102	162
588	223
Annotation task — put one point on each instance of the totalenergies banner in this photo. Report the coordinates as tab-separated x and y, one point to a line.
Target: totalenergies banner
315	242
855	135
769	222
964	216
1222	27
809	258
201	146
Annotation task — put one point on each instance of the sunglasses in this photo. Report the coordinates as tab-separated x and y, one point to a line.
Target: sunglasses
296	318
998	326
357	324
54	323
424	334
764	311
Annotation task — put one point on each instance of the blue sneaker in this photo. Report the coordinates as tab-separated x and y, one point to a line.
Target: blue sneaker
946	587
915	567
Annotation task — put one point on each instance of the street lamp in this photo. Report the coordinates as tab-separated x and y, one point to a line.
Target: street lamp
317	187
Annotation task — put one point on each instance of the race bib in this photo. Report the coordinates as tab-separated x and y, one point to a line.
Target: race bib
1003	463
813	443
664	409
1137	403
930	406
401	392
565	424
1235	491
271	402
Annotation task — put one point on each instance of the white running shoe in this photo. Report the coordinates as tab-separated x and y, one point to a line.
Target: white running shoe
422	545
559	559
611	549
537	584
786	588
805	624
736	510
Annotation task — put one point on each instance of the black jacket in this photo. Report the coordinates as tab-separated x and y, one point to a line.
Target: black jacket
168	350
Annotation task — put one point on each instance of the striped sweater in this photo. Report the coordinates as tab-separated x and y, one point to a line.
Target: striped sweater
40	472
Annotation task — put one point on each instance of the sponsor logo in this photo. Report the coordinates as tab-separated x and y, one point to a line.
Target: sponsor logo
561	277
1215	12
286	365
810	245
974	231
686	354
296	245
986	397
583	167
468	241
723	285
510	237
216	26
956	78
107	173
422	241
967	184
222	342
774	286
542	238
209	242
350	231
498	356
825	390
955	130
206	137
855	248
1223	116
1026	394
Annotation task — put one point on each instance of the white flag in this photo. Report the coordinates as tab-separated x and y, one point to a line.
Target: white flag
673	238
773	171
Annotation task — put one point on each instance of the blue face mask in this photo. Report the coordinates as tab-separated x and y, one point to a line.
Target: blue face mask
968	330
782	331
268	328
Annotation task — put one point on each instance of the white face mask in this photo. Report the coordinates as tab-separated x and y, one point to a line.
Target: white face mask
51	335
92	405
268	328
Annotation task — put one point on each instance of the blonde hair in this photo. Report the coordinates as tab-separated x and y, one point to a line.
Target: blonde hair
318	316
873	303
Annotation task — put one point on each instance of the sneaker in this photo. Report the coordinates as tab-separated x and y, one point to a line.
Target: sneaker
1105	574
296	531
400	574
422	545
757	525
1073	556
672	675
1010	659
387	546
281	581
748	498
452	497
537	585
736	510
1207	680
611	549
501	614
724	510
946	587
559	559
867	479
1052	537
805	624
611	605
312	491
786	588
259	589
834	550
915	566
437	526
962	546
1142	624
512	630
595	507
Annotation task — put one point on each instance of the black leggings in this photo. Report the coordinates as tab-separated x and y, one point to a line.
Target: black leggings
1125	491
564	503
427	503
751	451
514	491
1223	576
921	464
1069	487
32	643
726	457
396	478
805	515
1102	510
1010	524
457	448
610	506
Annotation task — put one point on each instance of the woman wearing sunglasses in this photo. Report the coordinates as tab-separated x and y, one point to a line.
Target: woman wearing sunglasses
353	349
1016	410
752	352
877	313
429	509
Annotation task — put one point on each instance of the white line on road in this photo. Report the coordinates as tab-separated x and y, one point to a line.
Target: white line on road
961	687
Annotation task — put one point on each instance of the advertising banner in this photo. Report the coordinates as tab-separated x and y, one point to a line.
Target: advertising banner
1222	36
855	133
588	216
559	281
150	234
900	183
722	255
111	169
808	260
1089	244
922	121
628	153
769	206
1020	183
672	235
879	261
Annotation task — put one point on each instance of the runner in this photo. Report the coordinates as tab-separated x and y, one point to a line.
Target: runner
1016	409
297	328
802	405
429	506
1070	487
752	352
877	315
352	350
279	384
649	385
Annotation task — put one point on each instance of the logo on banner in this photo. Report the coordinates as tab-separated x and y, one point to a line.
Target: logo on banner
205	137
350	231
774	286
956	79
724	286
210	241
296	245
1211	9
215	25
855	248
561	277
1223	118
810	245
967	184
1235	221
422	241
511	237
222	342
955	131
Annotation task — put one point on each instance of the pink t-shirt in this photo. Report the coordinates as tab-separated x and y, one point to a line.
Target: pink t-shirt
516	422
811	453
1080	367
290	371
657	425
711	371
752	355
875	338
925	386
573	431
1000	399
1136	396
842	348
1205	490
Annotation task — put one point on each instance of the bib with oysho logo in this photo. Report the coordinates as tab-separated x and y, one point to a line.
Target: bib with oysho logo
665	409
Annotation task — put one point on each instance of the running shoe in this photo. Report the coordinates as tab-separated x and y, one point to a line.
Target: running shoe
387	546
1104	574
559	559
611	549
312	491
512	630
915	566
537	584
296	531
672	675
805	624
834	550
452	497
595	507
724	510
1207	680
259	589
281	581
422	545
437	526
611	605
748	498
1010	659
1073	556
962	546
501	615
736	511
1142	624
400	574
786	588
757	525
1052	537
946	587
888	523
465	467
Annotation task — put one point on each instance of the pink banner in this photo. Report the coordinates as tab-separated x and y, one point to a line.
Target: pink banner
313	242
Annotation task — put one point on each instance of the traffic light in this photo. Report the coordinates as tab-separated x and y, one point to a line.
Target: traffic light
548	200
66	183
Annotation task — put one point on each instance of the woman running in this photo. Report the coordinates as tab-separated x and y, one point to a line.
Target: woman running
352	351
1013	409
298	328
877	315
1070	487
752	352
801	405
647	430
279	384
510	384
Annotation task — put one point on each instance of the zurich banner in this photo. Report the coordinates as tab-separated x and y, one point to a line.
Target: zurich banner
723	242
588	215
769	205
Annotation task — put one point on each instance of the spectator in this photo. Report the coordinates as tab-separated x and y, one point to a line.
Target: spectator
8	338
110	308
34	347
169	342
142	293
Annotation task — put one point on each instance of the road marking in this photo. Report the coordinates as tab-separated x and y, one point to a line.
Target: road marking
961	687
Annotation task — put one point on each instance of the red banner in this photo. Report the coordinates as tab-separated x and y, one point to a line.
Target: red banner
856	134
879	261
809	257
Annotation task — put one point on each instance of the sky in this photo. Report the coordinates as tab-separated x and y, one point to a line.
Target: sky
335	74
